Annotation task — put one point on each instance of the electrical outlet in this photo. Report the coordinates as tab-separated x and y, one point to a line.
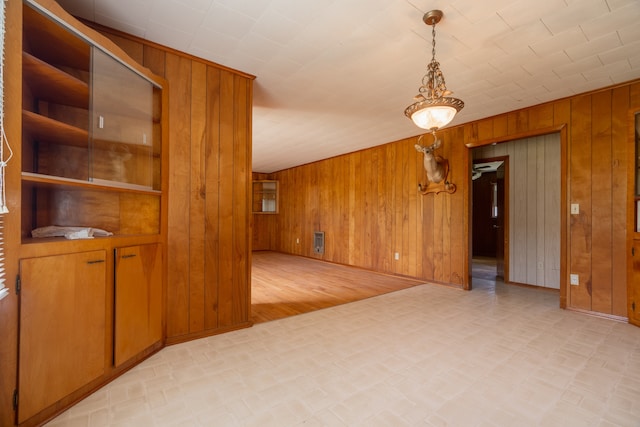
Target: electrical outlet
575	208
396	256
574	279
297	241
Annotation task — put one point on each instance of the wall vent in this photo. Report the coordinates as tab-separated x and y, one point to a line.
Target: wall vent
318	242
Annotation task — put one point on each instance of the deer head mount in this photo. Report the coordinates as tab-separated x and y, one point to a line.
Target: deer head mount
437	168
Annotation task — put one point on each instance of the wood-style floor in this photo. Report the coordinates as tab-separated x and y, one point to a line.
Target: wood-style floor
284	285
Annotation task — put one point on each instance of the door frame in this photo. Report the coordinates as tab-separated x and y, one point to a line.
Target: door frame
564	201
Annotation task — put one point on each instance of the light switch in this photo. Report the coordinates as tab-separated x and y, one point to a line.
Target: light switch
575	209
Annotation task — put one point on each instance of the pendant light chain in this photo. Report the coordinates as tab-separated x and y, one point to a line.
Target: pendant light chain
433	42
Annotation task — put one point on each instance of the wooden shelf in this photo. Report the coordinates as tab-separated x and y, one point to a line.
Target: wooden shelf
53	85
52	131
96	184
53	43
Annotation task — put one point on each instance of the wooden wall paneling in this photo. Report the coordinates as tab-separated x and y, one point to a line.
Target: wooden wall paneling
197	198
417	257
368	216
500	126
601	207
386	186
562	117
408	182
484	130
343	200
459	224
325	213
580	259
531	199
226	201
542	168
447	214
552	213
354	232
397	197
619	194
541	116
12	220
178	72
212	199
384	254
154	59
242	191
414	172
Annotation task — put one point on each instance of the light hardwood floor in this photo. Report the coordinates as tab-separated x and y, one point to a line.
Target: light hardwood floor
284	285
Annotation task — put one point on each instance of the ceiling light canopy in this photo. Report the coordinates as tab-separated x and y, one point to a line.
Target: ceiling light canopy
433	109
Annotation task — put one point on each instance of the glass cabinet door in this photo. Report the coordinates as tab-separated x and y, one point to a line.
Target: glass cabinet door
122	125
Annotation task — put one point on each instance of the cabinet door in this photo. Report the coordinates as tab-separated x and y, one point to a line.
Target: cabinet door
62	327
138	300
122	110
634	286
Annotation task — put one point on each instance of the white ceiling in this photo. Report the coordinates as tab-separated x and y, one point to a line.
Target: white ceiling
334	76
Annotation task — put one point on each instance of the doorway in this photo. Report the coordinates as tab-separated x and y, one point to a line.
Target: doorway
532	209
489	220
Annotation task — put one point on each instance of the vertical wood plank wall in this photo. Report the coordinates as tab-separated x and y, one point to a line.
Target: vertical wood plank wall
11	221
209	238
369	208
368	205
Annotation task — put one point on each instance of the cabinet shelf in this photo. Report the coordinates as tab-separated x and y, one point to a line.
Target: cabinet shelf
96	184
53	85
52	131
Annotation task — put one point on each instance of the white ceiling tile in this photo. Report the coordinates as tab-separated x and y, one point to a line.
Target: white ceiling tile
559	42
172	13
524	12
577	67
136	13
623	17
592	47
620	53
606	71
574	14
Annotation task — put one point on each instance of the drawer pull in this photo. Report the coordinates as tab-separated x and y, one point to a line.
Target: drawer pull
128	256
95	261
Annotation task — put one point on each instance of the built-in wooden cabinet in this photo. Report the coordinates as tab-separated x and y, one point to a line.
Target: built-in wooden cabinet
265	197
92	157
138	300
634	284
62	327
91	143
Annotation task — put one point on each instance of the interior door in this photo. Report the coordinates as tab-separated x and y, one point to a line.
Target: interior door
501	243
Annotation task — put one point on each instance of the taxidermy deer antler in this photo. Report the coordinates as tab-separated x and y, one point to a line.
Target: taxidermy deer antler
436	167
435	170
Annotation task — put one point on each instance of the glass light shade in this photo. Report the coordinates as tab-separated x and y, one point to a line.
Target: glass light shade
434	116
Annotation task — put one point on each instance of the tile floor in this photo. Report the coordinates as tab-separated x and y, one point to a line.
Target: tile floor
425	356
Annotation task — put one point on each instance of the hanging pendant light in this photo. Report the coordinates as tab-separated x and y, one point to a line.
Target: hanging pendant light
433	108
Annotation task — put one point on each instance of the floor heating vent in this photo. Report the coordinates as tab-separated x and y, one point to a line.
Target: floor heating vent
318	242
